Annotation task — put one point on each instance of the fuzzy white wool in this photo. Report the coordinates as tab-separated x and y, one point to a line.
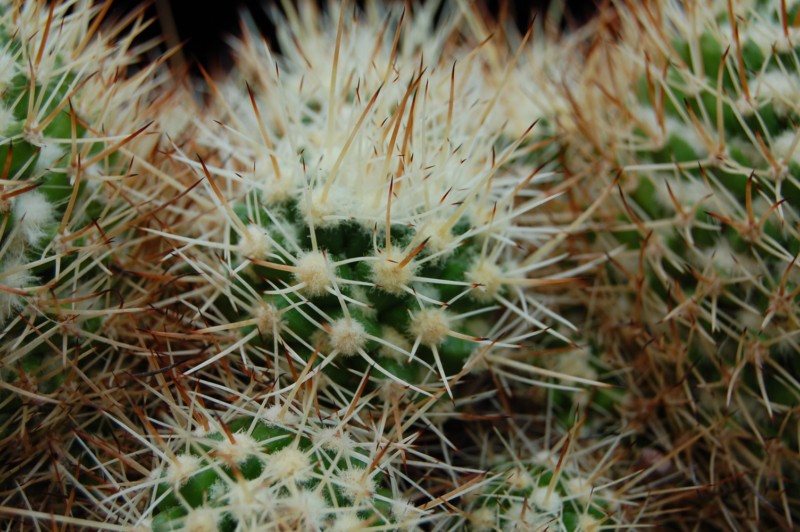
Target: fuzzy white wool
289	464
303	510
19	279
430	325
202	519
576	364
787	146
239	450
337	441
484	519
579	488
255	242
33	213
268	319
525	517
250	499
8	69
393	337
389	275
488	277
315	272
545	500
688	133
519	479
272	415
438	234
278	189
780	88
347	522
7	121
49	155
181	468
356	484
347	336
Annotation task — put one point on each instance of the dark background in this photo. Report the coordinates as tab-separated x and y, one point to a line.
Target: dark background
202	26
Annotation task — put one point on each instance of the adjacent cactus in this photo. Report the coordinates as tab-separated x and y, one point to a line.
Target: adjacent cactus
73	131
690	118
289	474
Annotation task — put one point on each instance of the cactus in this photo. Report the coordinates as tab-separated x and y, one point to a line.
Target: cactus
537	493
73	130
695	131
382	280
365	208
356	238
279	474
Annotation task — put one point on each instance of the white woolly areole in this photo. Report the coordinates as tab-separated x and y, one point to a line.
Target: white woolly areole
439	236
201	520
6	119
547	502
389	276
544	457
726	261
33	212
315	272
8	69
183	467
49	154
247	499
218	489
579	488
525	517
430	325
404	509
289	464
688	133
336	440
489	277
483	519
272	415
320	208
346	522
19	280
783	144
688	193
780	88
303	510
391	391
519	479
255	242
576	364
243	447
767	34
356	484
347	336
279	189
587	523
268	319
